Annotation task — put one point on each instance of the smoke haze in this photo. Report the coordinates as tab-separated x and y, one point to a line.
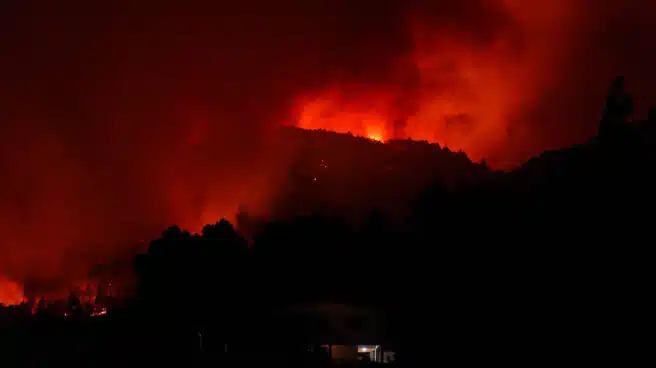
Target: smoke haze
119	119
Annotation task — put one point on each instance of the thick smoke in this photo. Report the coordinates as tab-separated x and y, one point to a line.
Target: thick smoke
578	47
121	118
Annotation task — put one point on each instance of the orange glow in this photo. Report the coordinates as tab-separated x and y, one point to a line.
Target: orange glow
175	122
459	91
375	130
10	292
363	113
467	108
375	137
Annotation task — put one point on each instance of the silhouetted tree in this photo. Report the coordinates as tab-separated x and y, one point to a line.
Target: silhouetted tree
618	108
74	304
475	260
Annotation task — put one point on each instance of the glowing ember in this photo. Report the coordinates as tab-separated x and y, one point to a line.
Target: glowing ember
101	312
374	133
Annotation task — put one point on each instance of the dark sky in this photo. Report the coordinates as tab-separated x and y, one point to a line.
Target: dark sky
120	117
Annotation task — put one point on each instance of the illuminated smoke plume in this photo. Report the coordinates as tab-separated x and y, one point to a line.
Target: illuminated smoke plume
120	120
500	80
11	293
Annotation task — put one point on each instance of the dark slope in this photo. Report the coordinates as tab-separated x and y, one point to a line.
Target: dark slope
350	176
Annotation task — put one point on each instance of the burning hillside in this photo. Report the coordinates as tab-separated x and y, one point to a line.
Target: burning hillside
332	173
461	87
350	176
495	79
116	125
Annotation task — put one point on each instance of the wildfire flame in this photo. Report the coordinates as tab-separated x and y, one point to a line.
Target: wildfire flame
11	293
375	136
101	312
462	91
364	114
197	145
465	108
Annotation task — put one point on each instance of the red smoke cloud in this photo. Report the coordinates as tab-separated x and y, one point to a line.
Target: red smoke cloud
120	120
500	80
